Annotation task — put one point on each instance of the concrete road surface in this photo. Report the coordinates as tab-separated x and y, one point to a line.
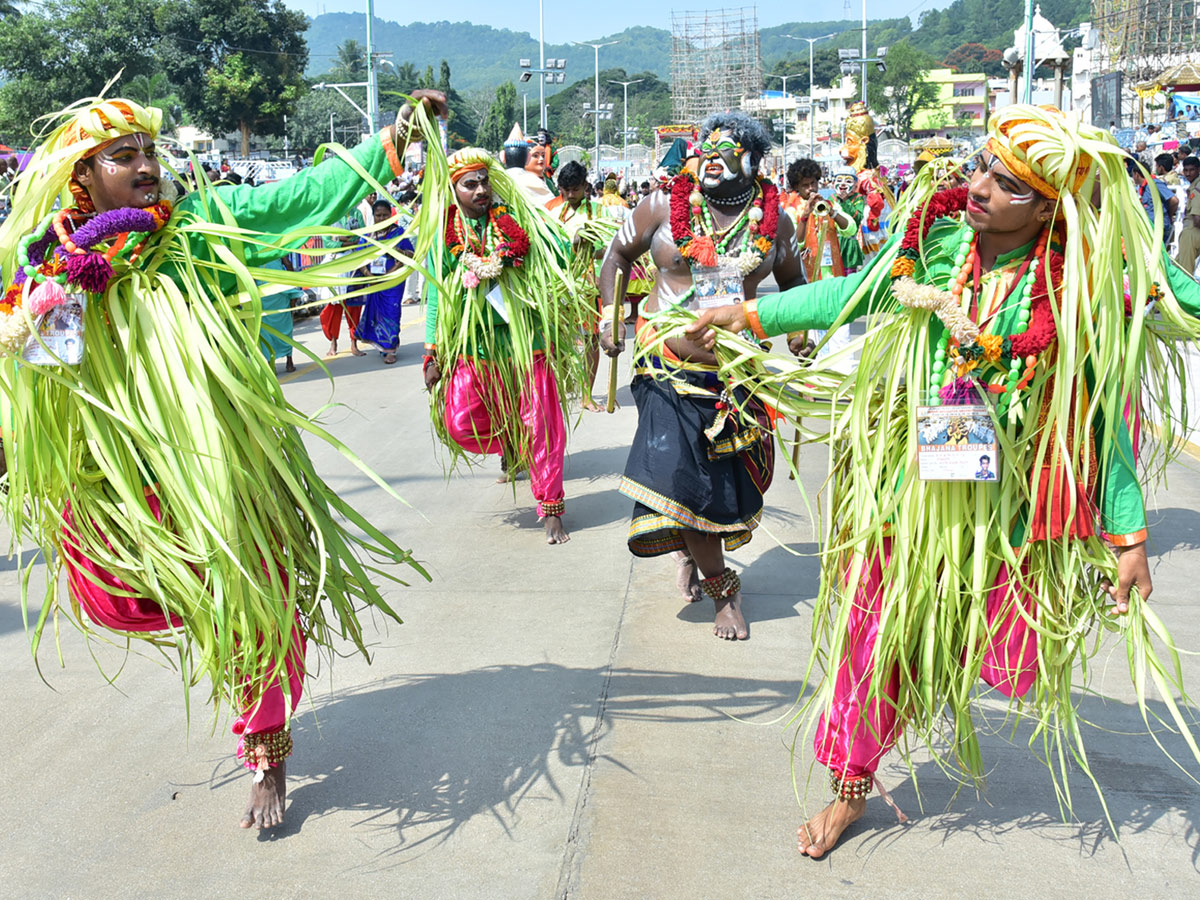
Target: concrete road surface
553	722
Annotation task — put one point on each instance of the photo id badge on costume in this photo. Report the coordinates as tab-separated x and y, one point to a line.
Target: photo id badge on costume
379	265
61	332
717	286
957	443
496	297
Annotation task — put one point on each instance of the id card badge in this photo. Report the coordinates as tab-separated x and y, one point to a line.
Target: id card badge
496	298
61	332
827	256
957	443
716	286
379	265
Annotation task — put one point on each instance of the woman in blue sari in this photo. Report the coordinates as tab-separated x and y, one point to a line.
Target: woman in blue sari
380	322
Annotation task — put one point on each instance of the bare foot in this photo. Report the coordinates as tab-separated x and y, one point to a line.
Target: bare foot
290	366
820	834
729	624
265	808
389	357
354	351
555	533
332	351
687	577
591	405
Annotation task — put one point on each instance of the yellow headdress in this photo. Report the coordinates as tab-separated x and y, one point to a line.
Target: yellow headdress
1044	148
470	159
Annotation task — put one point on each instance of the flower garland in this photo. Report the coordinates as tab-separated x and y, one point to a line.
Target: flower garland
1035	331
60	253
758	235
472	250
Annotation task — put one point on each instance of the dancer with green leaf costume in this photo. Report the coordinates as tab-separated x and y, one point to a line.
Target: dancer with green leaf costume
152	456
1028	317
501	323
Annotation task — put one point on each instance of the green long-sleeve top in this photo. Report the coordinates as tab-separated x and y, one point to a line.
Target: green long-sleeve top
500	344
491	320
314	197
819	305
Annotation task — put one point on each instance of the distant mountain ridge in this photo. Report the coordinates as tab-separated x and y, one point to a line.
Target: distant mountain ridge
481	56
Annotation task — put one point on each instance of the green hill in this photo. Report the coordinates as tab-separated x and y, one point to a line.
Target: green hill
481	56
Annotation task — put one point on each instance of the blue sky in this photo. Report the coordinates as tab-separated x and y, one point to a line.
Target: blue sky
566	20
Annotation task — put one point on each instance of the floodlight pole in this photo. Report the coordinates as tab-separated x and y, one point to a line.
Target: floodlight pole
625	130
864	53
597	47
372	83
541	64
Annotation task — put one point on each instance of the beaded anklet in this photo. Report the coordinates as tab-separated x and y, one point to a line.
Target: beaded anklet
721	586
277	744
553	507
851	788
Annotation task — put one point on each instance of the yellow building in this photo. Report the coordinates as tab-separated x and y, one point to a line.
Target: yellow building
962	105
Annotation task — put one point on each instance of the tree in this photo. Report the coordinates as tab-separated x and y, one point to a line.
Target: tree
975	58
155	90
351	64
64	50
309	126
238	64
902	91
826	70
500	117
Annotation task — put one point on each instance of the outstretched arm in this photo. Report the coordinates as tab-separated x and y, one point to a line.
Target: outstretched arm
316	196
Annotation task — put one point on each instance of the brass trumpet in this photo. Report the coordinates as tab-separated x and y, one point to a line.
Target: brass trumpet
822	208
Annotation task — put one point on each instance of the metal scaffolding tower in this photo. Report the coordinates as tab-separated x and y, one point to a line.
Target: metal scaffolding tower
1147	36
715	61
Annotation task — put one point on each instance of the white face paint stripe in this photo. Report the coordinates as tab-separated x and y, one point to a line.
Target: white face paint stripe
1022	199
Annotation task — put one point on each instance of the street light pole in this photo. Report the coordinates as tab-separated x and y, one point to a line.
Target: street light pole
372	84
597	47
783	118
625	128
811	102
864	52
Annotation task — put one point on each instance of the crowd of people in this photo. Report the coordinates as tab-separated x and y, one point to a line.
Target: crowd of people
991	287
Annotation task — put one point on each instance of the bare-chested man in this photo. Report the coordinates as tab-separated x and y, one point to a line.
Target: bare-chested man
696	475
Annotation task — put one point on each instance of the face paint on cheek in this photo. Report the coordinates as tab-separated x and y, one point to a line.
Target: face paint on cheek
107	163
1022	199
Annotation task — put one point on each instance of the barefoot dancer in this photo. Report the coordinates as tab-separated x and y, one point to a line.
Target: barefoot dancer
502	327
929	585
160	463
696	476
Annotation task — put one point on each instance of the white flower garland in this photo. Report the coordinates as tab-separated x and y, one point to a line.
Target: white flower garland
940	303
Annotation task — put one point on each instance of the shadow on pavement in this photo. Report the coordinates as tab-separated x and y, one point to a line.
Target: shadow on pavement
1171	529
422	755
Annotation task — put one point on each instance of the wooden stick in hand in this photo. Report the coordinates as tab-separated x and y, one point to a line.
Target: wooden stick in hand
617	322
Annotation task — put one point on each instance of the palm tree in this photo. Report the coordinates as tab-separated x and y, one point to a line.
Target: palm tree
155	90
351	60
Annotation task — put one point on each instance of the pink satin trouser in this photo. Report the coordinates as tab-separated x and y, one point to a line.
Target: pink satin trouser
855	733
473	397
90	585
